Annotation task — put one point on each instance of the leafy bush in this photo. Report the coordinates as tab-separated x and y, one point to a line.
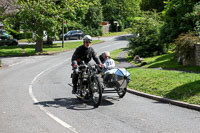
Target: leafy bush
92	20
185	46
193	19
147	40
72	25
177	19
196	12
92	31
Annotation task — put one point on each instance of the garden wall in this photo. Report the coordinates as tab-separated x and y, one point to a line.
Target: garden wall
192	61
197	54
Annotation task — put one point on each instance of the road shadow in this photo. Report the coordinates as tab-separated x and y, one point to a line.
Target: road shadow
122	56
123	62
124	37
76	104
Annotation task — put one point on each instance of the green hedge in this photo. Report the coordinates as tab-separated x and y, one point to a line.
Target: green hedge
147	40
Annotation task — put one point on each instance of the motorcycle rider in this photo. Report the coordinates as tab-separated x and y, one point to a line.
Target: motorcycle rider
82	53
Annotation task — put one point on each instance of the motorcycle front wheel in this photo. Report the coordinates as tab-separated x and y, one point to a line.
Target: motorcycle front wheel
96	92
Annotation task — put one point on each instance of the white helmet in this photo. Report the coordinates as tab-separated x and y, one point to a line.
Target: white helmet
87	38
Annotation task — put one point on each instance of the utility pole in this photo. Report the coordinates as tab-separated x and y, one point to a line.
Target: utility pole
63	33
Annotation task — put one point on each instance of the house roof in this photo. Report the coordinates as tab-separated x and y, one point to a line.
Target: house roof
104	22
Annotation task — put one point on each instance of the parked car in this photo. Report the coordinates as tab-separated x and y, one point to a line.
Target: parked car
7	41
4	34
73	34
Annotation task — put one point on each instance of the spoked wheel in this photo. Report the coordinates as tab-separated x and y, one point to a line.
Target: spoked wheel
121	92
96	92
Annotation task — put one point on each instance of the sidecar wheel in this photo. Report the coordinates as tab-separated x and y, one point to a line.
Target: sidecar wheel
121	92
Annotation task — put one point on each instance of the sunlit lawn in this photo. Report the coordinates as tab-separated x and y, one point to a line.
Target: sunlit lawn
169	83
166	61
47	49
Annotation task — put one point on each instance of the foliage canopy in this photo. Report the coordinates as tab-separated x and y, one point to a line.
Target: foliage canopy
147	31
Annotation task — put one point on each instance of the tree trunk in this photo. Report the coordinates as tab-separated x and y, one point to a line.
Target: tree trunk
39	42
39	45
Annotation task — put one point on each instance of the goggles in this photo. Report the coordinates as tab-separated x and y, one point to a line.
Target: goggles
88	41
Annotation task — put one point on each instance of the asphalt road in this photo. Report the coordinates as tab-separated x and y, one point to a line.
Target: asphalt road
35	98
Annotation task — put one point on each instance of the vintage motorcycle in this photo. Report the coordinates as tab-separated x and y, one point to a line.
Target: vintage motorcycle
89	86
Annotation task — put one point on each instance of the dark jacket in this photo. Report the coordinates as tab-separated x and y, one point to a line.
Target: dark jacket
84	54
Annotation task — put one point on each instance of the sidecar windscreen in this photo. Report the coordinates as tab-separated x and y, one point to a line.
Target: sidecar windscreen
122	72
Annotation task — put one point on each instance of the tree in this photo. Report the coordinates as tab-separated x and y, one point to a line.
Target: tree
122	11
45	15
147	31
7	7
175	23
157	5
88	17
93	18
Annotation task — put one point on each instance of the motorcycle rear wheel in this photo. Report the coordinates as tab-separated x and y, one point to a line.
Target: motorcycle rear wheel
96	92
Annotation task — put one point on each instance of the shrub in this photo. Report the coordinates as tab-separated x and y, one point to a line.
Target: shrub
196	11
193	19
178	19
72	25
185	46
92	31
147	40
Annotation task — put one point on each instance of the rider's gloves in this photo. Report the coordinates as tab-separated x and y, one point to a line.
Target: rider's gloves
102	65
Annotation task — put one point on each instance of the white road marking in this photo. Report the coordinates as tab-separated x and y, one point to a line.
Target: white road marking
58	120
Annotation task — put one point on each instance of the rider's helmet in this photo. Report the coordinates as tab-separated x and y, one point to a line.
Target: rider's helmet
87	38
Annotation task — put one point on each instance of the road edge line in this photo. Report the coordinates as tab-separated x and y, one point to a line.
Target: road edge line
58	120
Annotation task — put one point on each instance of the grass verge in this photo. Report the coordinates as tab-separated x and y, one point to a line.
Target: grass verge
116	33
28	50
166	61
114	54
177	85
